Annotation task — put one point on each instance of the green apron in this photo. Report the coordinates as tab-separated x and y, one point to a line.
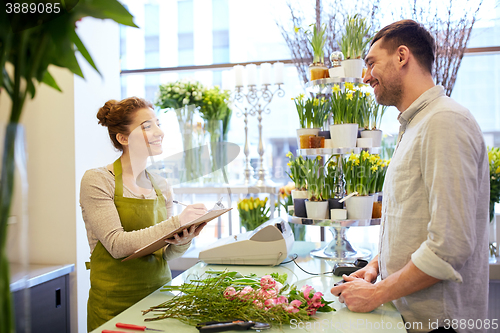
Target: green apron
116	285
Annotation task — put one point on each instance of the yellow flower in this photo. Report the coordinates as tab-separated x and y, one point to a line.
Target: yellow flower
497	170
289	164
374	168
289	154
367	93
296	29
336	88
349	96
318	158
349	85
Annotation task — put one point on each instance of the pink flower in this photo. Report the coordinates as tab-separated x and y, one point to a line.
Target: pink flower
294	306
296	303
230	293
269	303
246	293
258	304
307	291
282	300
267	282
316	300
266	294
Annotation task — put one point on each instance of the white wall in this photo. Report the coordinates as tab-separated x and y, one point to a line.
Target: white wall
92	144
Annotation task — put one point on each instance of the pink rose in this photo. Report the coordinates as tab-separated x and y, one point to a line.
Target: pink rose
307	291
282	300
269	303
294	306
230	293
246	293
266	294
258	304
267	282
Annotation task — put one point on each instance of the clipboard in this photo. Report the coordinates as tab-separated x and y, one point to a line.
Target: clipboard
159	243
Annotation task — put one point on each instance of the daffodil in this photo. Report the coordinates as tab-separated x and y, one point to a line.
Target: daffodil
349	96
349	86
336	88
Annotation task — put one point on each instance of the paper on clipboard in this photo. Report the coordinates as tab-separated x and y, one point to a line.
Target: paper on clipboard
159	243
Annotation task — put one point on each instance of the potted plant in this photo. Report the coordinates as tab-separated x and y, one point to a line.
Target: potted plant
333	181
184	97
313	113
360	175
316	206
494	162
253	212
353	44
30	46
215	110
379	170
297	176
346	104
372	118
317	40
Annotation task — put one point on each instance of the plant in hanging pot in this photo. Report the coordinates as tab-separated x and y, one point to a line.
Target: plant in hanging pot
297	176
345	106
215	110
360	175
313	113
372	114
353	44
184	97
316	207
317	39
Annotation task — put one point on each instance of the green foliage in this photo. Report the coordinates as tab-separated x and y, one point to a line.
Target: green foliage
175	95
348	105
494	162
355	39
313	112
296	174
364	173
253	212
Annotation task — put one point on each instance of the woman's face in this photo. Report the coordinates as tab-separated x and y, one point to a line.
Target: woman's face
146	136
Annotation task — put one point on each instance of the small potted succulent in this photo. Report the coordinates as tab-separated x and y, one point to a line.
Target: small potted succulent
353	44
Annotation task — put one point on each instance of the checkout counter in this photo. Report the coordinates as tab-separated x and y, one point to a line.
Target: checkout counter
384	319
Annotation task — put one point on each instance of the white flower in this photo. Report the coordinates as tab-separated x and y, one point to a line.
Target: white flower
195	93
185	101
168	88
176	89
188	93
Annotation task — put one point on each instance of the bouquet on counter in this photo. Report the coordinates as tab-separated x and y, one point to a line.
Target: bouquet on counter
253	212
225	296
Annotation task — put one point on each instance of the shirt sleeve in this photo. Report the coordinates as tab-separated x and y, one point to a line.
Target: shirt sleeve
451	156
103	222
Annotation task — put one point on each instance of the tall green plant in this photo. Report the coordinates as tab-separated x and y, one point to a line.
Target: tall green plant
317	40
313	112
355	39
347	104
29	50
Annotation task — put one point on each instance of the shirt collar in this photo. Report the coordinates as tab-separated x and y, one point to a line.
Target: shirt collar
419	104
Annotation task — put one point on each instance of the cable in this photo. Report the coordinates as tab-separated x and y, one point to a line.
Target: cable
295	256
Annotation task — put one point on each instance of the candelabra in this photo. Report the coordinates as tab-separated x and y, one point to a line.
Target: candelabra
258	101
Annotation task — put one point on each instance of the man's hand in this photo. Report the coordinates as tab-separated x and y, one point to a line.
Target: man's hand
358	294
368	273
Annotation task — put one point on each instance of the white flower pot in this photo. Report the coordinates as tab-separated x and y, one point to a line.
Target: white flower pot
317	210
364	143
353	67
296	194
344	135
359	207
306	131
375	135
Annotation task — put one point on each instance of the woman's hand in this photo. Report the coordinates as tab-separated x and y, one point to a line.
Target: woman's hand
186	235
191	213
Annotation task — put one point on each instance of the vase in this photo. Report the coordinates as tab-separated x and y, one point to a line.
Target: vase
14	226
318	71
299	207
193	138
303	136
299	231
215	162
375	135
317	210
353	67
364	142
344	135
359	207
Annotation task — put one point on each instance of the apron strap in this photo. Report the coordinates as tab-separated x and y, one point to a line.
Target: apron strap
117	168
159	194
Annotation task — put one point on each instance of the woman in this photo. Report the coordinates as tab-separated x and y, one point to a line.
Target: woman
125	208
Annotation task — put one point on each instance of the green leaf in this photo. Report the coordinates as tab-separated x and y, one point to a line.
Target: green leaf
79	45
50	81
107	9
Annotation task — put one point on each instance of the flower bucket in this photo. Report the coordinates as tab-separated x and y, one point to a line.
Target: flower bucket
344	135
317	210
359	207
304	144
375	135
353	67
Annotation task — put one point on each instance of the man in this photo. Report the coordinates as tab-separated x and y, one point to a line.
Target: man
433	251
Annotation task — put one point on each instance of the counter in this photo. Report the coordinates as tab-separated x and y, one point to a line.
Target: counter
384	319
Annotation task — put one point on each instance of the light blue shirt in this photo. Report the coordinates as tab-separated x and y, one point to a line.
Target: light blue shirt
435	211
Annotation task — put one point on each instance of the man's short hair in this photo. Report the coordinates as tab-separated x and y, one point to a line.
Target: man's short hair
411	34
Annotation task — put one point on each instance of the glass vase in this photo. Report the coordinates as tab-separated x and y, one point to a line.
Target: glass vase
193	137
214	138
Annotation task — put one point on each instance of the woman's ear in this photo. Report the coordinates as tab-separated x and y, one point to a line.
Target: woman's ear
122	139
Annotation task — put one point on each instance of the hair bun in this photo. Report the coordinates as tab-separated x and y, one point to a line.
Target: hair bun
104	112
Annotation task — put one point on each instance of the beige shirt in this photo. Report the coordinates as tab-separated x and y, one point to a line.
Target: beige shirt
435	212
103	222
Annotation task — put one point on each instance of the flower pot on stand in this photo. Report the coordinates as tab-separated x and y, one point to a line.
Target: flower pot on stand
375	135
299	206
377	205
344	135
318	71
359	207
353	67
303	136
317	210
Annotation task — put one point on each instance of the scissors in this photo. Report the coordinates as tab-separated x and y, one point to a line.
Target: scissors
235	325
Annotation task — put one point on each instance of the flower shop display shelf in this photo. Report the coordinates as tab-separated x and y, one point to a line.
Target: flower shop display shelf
324	86
336	151
339	249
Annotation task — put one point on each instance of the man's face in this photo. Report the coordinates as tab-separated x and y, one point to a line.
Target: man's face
383	76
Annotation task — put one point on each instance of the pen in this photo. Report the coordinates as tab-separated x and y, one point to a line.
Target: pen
179	203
